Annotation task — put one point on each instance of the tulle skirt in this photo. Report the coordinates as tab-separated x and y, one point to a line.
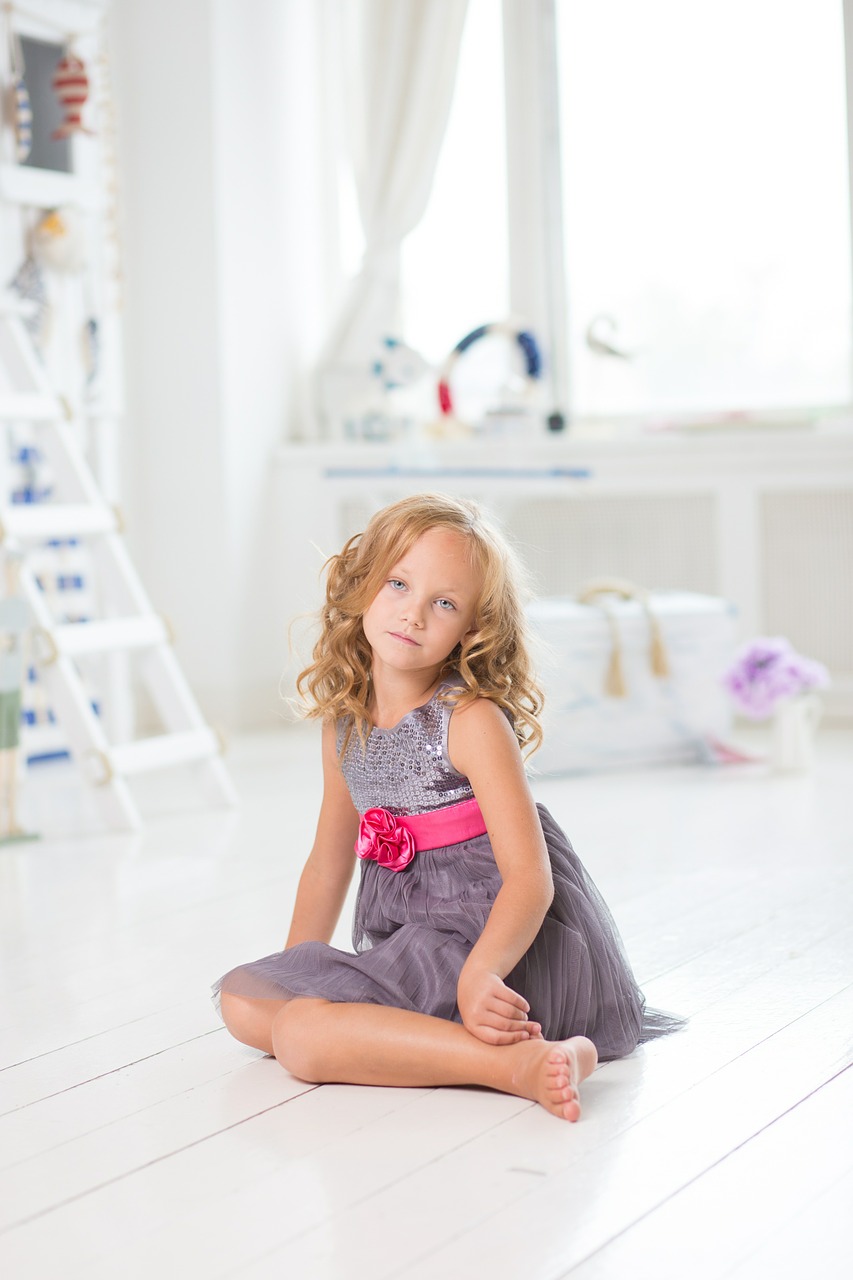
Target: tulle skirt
414	929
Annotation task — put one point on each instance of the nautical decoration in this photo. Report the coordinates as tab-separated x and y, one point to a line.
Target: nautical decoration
58	241
91	346
399	365
523	337
29	284
71	85
20	110
601	338
22	120
379	400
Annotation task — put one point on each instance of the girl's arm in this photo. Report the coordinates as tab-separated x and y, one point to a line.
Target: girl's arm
483	746
327	873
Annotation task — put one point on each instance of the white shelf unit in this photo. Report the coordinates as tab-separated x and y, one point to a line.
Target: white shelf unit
763	518
77	508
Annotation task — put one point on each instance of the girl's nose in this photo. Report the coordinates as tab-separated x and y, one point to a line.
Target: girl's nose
413	613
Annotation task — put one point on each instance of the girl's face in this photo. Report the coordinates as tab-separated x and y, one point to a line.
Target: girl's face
426	605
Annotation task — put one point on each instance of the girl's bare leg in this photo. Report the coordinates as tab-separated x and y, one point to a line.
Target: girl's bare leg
250	1020
372	1044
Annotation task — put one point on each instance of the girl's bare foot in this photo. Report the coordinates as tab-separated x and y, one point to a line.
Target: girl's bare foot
552	1072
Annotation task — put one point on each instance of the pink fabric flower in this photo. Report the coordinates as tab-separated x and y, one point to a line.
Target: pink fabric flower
383	839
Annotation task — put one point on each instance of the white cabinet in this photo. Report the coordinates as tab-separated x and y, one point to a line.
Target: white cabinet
763	518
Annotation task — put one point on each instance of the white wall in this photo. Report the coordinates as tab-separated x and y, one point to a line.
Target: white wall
223	172
227	182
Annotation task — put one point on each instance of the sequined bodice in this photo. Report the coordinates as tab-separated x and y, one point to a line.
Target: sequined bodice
405	769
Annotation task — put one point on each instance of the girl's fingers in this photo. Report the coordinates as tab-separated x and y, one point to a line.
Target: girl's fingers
513	998
494	1035
503	1016
506	1010
513	1037
521	1031
491	1036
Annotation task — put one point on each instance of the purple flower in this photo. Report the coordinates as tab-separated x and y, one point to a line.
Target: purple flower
767	670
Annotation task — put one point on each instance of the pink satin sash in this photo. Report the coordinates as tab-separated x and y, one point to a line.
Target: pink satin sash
393	841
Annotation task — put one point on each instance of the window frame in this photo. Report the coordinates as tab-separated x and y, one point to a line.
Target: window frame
538	252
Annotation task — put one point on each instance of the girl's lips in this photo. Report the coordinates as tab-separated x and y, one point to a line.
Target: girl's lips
398	635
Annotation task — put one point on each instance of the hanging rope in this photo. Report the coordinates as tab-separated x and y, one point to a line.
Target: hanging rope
614	680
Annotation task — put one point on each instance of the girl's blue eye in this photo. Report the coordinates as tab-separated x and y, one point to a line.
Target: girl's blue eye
445	604
397	584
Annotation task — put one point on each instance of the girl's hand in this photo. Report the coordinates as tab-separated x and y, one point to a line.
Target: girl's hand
492	1011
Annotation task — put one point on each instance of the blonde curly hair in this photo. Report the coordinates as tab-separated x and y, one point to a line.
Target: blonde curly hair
492	661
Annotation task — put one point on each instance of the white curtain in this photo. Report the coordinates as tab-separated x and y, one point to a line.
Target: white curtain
401	57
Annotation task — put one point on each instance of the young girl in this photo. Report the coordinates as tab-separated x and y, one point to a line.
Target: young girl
483	952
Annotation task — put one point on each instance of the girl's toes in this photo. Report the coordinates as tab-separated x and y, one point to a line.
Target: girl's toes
561	1072
559	1066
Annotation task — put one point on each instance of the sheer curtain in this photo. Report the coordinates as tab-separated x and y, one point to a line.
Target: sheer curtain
401	59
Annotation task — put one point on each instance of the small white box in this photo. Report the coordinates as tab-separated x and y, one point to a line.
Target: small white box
660	719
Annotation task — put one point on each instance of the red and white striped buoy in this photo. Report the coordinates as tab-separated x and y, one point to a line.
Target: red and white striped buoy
71	85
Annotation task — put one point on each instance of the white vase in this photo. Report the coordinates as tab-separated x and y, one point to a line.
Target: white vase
795	723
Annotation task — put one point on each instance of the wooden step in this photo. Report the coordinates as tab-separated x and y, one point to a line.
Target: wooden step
110	635
163	751
42	521
29	407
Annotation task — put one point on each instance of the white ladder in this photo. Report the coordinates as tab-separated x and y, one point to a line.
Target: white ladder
78	509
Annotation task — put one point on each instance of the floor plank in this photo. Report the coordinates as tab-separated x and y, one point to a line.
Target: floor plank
625	1178
816	1239
718	1222
63	1068
135	1137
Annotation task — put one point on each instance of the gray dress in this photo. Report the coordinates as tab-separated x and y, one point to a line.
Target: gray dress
413	929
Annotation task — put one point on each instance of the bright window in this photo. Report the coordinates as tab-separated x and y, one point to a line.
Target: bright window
455	264
706	209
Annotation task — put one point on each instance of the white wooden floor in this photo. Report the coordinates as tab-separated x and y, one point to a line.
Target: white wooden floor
137	1139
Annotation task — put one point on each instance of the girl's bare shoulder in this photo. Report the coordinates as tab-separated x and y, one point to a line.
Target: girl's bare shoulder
479	728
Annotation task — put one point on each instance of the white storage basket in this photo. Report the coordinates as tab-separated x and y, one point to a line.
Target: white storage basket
632	678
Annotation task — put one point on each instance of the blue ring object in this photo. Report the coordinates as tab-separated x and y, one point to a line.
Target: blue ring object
524	338
532	355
